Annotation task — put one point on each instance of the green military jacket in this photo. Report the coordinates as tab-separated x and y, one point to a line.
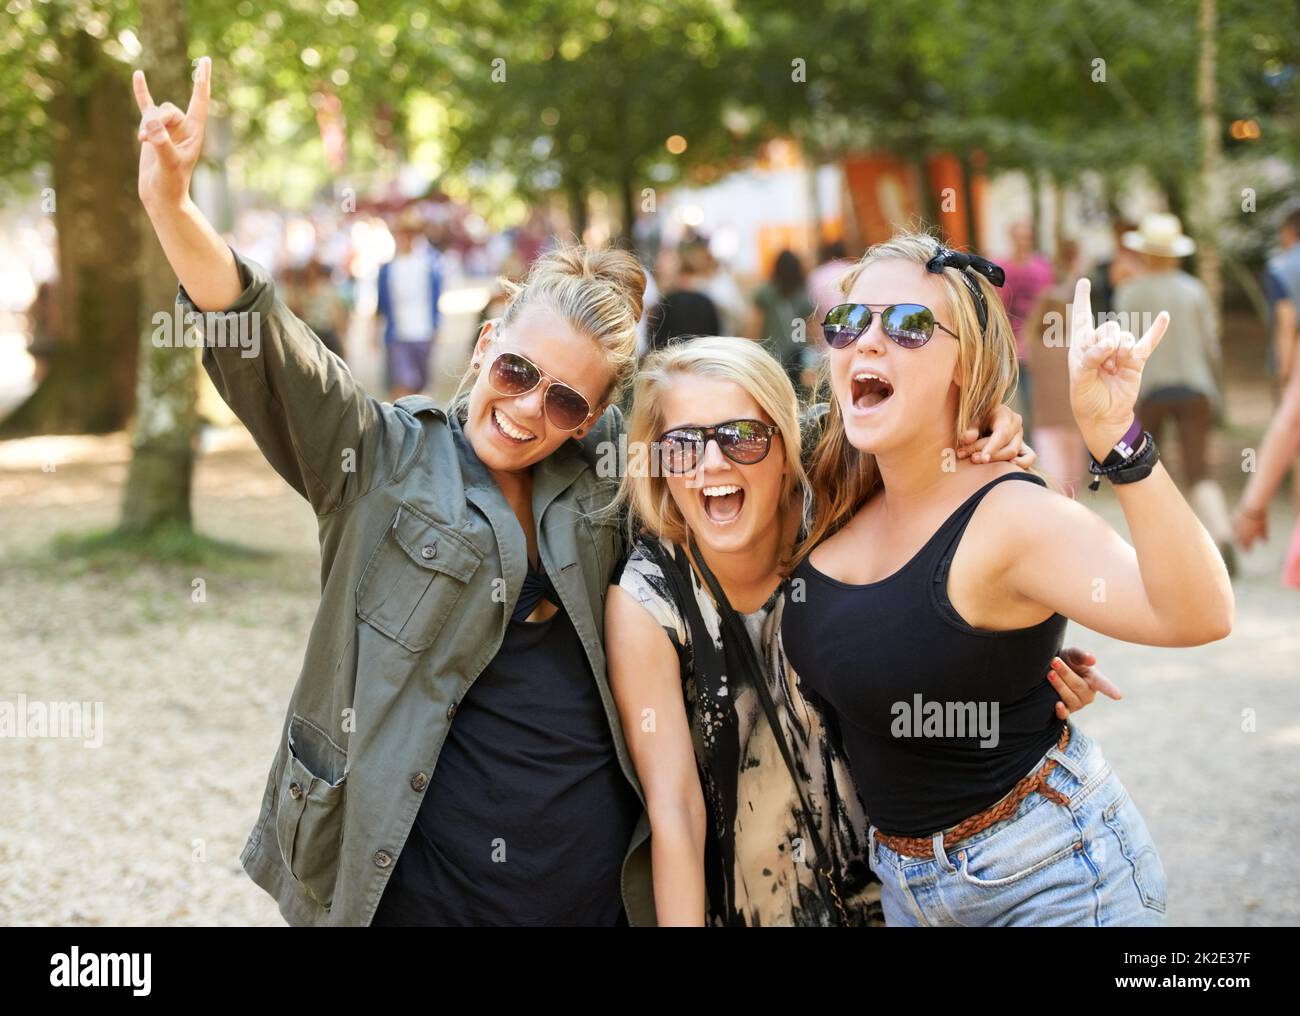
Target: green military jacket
422	561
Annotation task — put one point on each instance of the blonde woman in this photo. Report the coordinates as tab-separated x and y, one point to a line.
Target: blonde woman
451	753
935	596
755	822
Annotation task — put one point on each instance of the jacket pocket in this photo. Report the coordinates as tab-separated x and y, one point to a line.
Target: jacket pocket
309	809
414	578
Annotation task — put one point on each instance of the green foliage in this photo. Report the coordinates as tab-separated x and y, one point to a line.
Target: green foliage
593	88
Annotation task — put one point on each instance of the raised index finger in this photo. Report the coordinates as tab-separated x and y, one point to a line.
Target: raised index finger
1081	309
202	90
142	97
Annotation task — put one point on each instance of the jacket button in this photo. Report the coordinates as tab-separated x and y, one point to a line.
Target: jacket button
419	781
382	858
451	710
295	790
429	551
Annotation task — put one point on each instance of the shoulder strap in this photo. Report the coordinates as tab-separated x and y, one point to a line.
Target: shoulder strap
735	634
957	522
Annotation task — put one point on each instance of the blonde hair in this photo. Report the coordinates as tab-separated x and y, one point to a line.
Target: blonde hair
740	361
599	291
842	478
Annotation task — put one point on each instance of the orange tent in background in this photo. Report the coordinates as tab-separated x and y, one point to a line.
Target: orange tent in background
885	194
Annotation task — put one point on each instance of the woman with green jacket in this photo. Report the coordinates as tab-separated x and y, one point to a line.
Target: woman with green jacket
462	575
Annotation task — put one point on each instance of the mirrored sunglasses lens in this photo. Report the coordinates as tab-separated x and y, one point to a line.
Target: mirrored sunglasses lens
745	441
677	453
843	324
909	324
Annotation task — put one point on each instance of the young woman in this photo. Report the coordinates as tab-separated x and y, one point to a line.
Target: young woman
738	838
451	753
936	591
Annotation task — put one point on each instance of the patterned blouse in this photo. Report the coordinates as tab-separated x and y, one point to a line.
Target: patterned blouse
756	871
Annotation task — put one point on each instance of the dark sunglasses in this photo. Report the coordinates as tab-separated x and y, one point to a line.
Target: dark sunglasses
743	441
513	374
909	324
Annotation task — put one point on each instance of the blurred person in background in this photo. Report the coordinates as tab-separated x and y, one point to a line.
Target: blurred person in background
1276	455
409	287
684	310
311	294
1062	455
44	321
1281	443
780	304
719	285
1179	382
824	280
1028	274
1282	284
1121	266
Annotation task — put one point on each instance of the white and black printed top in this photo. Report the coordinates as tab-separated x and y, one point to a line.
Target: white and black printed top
758	856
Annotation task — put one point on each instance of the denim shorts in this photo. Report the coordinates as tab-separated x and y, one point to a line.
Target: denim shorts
1090	864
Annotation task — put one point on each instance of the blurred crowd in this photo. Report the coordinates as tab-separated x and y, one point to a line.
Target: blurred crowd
380	276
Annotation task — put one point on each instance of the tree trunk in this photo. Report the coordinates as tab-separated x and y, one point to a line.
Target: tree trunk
90	384
162	466
1209	266
627	196
578	208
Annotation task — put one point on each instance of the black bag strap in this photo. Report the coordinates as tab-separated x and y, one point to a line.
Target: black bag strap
735	634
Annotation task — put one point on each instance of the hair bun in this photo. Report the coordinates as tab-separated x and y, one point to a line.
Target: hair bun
617	268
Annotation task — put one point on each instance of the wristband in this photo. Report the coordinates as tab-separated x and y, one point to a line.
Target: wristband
1136	467
1126	446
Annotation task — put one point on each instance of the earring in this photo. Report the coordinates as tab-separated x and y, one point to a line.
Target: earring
476	365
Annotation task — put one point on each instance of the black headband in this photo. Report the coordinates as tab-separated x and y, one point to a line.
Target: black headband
946	257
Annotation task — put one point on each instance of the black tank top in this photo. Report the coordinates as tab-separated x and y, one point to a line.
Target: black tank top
940	720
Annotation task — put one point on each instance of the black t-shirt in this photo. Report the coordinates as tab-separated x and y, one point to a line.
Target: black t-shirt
527	815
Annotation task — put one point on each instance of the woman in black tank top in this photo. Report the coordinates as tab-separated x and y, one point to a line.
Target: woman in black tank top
931	595
888	696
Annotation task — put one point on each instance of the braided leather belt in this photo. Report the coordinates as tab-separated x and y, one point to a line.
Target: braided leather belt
920	846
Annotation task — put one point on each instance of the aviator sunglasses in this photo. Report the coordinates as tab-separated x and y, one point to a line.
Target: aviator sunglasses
742	441
513	374
911	325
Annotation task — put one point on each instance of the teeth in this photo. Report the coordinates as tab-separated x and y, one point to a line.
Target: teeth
866	375
721	491
509	428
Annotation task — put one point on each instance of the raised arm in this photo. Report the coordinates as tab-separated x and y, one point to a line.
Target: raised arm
646	680
1170	587
1281	444
312	421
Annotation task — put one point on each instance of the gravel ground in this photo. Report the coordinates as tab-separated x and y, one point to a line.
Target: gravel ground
147	827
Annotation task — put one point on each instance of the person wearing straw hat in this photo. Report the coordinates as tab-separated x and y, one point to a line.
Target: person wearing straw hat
1179	383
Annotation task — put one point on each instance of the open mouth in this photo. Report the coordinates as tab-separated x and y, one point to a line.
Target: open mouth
510	431
870	390
722	503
